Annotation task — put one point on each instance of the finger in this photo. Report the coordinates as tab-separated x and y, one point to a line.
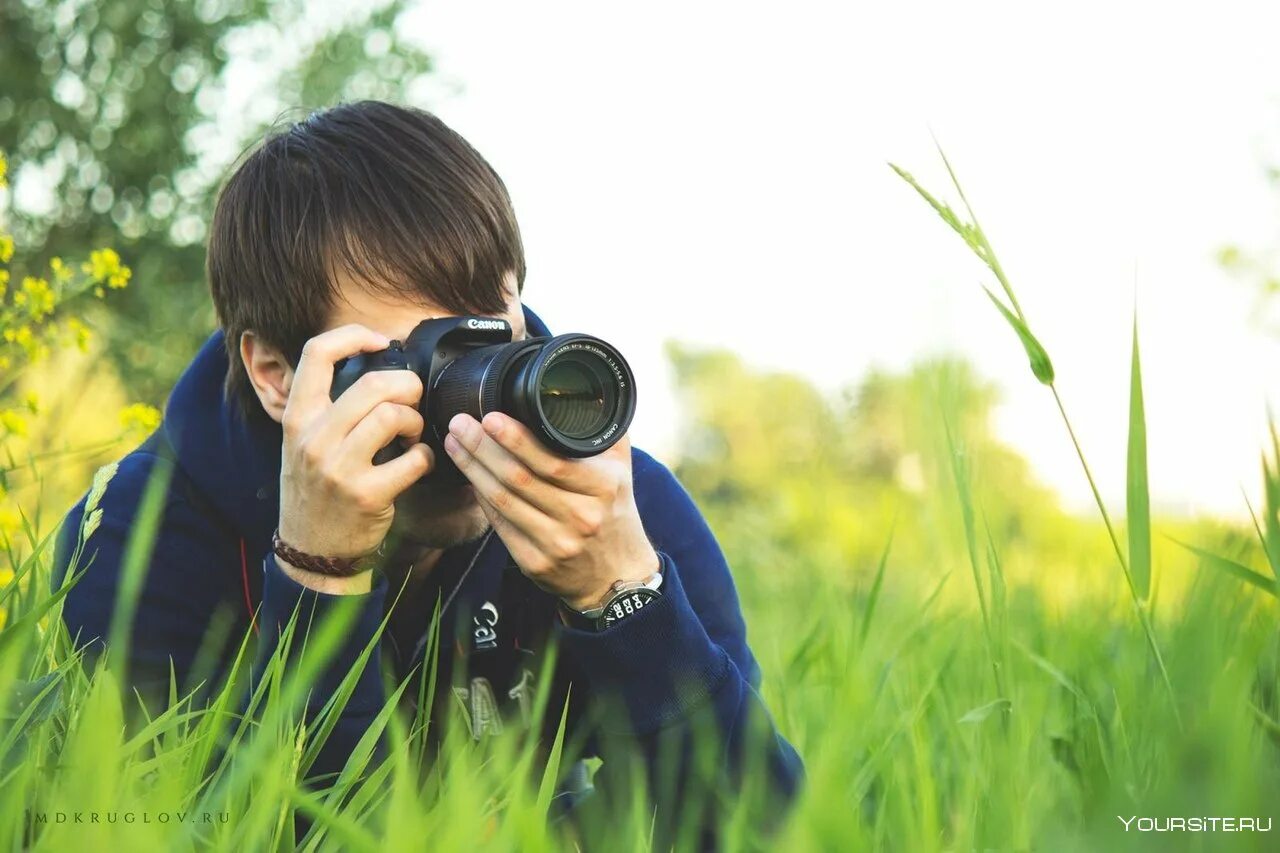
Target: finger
621	449
388	480
377	429
313	377
373	389
531	521
576	475
509	470
531	560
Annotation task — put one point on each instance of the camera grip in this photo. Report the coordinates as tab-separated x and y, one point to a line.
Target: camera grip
348	370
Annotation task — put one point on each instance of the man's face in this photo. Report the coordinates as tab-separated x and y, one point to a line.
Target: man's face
429	515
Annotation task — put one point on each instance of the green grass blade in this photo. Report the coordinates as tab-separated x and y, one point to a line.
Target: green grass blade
1262	537
1138	497
1231	567
980	713
1271	483
874	596
1041	366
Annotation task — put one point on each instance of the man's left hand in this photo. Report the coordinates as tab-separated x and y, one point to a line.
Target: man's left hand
570	524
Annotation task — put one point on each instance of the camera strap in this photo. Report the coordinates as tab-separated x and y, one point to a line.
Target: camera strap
493	625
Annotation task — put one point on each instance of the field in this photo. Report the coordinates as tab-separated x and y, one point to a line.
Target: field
961	664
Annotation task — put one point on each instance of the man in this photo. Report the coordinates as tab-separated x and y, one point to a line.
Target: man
333	238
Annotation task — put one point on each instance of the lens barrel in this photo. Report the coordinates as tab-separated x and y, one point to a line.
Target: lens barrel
575	392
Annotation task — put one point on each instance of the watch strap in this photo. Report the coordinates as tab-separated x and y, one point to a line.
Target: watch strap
589	619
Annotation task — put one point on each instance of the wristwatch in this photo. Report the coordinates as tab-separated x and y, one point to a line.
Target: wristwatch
625	598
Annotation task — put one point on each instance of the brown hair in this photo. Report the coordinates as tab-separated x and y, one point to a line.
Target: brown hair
388	194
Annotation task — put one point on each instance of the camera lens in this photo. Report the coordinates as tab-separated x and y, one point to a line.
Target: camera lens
577	395
575	392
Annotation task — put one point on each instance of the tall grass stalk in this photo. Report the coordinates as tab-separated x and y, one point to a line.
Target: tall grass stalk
1042	368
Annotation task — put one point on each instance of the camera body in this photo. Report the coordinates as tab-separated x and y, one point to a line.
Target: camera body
575	392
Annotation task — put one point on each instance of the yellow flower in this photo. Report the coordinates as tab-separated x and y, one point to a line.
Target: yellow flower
6	247
13	423
10	525
20	335
105	267
38	296
80	332
32	401
4	170
140	418
60	270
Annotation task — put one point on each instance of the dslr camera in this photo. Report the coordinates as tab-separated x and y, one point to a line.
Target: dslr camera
575	392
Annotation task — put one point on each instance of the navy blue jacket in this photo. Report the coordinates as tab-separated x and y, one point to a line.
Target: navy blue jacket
681	659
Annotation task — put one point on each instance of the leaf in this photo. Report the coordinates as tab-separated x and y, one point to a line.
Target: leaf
1271	506
874	595
45	693
1138	497
1233	568
979	714
1041	367
551	771
1057	675
973	235
30	704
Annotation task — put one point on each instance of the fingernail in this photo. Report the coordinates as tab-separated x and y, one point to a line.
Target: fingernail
492	423
458	424
451	444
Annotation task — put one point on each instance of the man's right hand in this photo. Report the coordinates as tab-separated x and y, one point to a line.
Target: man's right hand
334	502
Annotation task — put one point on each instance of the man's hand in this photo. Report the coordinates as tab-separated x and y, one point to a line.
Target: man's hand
570	524
334	502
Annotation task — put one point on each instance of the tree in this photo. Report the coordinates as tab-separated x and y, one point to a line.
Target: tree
120	118
1259	267
805	479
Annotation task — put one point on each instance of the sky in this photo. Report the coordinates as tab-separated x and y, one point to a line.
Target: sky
716	173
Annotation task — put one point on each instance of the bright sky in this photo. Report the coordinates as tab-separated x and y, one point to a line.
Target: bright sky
716	173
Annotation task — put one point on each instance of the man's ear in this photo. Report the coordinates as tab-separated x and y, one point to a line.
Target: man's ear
269	372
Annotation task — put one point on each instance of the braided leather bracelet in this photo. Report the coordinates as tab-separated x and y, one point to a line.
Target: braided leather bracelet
335	567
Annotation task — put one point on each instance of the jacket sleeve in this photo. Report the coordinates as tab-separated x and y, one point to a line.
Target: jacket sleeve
676	685
187	589
194	574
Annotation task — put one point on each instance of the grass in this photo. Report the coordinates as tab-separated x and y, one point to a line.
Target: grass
935	709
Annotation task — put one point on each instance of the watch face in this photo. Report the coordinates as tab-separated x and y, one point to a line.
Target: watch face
624	605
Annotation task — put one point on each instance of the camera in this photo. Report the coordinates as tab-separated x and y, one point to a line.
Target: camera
575	392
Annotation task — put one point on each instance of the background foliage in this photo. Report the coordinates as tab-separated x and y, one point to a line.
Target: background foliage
127	114
957	658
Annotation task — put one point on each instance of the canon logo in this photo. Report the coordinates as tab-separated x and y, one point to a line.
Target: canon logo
473	323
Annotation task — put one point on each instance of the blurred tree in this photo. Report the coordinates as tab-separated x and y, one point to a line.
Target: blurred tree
1259	267
782	469
120	118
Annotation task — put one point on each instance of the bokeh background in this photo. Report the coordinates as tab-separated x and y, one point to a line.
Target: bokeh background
720	170
707	186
